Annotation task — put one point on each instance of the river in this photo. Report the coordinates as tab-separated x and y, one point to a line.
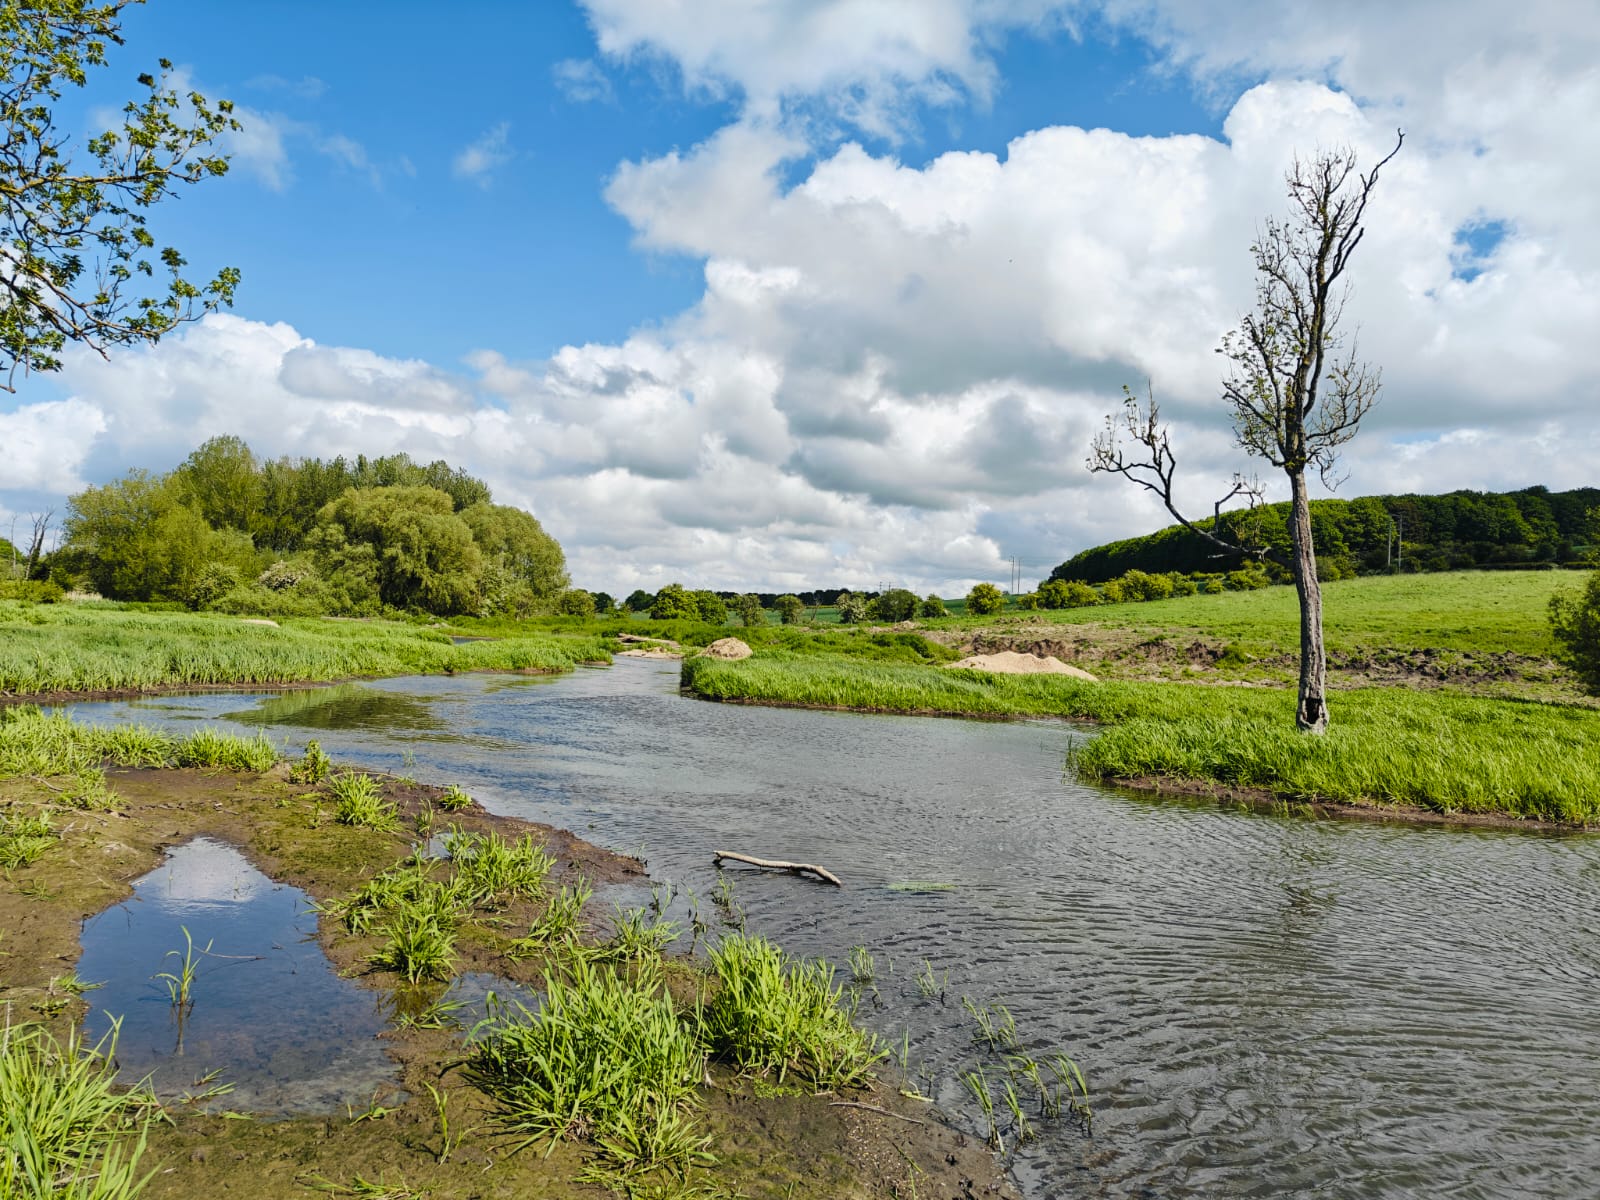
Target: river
1263	1006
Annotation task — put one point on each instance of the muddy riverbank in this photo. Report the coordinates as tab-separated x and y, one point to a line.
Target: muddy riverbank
765	1144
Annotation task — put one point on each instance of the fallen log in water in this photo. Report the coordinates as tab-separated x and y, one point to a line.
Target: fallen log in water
821	873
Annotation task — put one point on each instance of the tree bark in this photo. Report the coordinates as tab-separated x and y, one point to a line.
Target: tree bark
1311	709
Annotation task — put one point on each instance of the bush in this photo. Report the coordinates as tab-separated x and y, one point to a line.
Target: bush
215	581
1138	585
32	591
790	610
852	608
1029	601
897	604
575	602
749	609
932	606
709	607
1061	593
985	599
1575	621
673	603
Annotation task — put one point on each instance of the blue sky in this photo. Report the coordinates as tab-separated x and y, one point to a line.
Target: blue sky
837	291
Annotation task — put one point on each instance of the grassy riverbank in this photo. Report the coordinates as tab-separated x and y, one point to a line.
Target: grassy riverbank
90	648
640	1074
1437	750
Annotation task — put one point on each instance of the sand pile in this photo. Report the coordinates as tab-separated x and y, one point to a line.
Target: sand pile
1009	662
729	647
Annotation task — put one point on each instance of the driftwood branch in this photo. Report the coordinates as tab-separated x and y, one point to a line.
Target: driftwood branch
821	873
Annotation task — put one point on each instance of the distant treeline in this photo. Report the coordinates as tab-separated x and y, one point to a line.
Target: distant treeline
1530	528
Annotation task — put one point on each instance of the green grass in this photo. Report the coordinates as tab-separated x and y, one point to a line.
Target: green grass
93	648
606	1057
781	1018
491	870
66	1132
1437	750
360	802
1477	611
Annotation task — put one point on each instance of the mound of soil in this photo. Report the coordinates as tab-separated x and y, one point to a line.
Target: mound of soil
1009	662
730	648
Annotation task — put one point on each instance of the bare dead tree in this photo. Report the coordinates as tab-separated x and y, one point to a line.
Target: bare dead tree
41	526
1296	389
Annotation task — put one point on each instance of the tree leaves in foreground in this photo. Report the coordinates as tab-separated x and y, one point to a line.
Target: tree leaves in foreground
78	248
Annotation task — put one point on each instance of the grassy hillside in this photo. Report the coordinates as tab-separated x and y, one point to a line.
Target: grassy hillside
1461	610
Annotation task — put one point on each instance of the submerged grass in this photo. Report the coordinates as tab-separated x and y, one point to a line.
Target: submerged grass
1437	750
93	648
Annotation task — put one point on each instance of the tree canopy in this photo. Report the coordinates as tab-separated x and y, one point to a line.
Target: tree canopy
78	247
226	529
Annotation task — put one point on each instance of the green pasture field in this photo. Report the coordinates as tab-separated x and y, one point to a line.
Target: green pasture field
1477	611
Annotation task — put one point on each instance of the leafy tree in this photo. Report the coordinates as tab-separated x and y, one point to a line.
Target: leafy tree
513	541
575	602
932	606
748	606
222	482
710	607
1294	394
790	609
136	540
605	602
673	603
397	470
405	542
985	599
76	223
1575	621
852	608
897	604
639	600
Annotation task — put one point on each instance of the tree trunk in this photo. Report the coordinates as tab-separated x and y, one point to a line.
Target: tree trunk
1311	711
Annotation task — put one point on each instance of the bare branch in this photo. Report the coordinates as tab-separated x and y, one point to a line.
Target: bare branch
1155	470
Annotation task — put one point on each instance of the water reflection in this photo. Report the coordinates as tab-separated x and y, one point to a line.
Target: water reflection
267	1013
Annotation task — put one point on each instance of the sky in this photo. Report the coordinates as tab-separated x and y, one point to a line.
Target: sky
779	294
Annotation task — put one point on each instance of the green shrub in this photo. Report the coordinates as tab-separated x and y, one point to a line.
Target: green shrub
932	606
673	603
897	604
710	607
1575	622
749	609
985	599
790	610
575	602
32	591
852	608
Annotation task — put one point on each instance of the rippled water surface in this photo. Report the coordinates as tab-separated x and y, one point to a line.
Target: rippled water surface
1263	1006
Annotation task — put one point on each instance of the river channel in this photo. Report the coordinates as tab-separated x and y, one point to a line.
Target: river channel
1263	1006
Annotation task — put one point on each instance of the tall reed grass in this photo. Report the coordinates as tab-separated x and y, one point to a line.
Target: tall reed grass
91	649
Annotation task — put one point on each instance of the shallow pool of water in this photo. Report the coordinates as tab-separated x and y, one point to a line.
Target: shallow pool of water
1263	1006
269	1015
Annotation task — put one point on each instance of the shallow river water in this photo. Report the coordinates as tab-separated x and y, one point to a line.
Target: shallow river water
1263	1006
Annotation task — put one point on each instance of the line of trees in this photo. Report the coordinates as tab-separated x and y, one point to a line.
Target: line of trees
1371	535
226	530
